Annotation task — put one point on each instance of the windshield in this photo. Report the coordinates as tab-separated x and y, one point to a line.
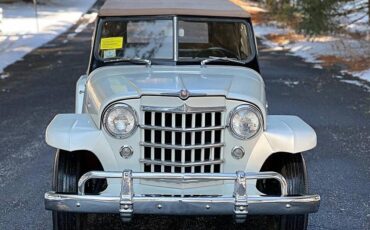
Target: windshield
204	39
122	39
146	39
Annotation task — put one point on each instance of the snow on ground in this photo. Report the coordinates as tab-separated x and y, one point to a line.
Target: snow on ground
351	53
21	32
361	18
364	75
311	48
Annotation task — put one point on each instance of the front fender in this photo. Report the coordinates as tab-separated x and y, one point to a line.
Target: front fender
72	132
75	132
288	134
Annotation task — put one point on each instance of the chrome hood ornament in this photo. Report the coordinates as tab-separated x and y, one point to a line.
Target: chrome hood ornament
184	94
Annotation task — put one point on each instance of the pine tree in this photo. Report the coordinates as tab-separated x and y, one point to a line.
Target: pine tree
317	15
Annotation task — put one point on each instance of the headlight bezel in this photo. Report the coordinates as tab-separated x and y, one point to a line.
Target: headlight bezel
109	109
251	108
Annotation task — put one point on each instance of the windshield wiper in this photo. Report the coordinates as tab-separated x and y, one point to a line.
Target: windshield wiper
132	60
212	59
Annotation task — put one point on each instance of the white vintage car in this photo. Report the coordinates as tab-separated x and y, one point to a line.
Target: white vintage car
171	119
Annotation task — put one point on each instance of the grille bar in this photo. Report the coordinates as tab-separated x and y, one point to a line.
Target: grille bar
182	147
182	140
182	164
192	141
182	129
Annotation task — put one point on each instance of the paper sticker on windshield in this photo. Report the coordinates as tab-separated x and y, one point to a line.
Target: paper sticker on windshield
109	54
111	43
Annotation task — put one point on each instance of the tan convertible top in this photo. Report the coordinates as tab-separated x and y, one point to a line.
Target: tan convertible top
217	8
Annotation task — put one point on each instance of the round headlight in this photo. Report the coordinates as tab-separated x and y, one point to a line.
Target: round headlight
120	120
245	121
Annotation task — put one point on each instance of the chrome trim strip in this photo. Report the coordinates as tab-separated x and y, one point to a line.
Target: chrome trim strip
175	38
178	94
183	109
182	129
179	147
179	164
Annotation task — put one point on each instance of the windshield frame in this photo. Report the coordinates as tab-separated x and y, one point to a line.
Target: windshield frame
175	19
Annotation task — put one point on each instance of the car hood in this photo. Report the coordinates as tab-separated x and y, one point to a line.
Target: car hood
108	84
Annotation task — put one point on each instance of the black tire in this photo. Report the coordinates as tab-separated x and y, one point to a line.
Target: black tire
67	171
294	171
293	168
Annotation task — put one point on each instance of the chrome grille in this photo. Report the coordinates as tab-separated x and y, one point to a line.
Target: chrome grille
182	140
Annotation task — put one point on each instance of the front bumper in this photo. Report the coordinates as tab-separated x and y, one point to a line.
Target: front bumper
238	204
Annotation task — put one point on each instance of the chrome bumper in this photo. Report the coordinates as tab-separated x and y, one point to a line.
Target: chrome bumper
238	204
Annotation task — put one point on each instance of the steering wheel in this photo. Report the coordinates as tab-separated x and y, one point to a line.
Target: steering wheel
217	49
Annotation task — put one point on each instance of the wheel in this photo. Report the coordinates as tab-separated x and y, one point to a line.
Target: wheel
295	173
293	168
67	171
